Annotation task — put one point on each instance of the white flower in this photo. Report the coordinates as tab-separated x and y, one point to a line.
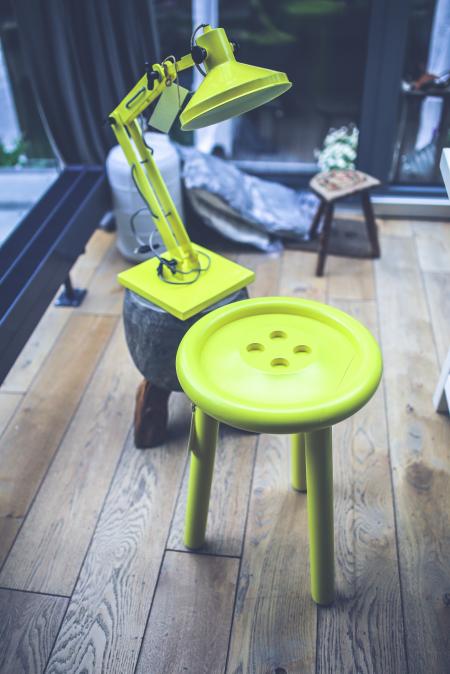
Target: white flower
339	149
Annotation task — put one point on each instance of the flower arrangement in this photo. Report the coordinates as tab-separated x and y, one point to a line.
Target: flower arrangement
339	149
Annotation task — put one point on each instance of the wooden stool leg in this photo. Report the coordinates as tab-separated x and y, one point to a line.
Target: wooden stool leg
325	235
202	450
150	415
317	218
298	465
319	477
370	223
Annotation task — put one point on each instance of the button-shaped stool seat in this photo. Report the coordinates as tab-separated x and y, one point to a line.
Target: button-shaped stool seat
277	365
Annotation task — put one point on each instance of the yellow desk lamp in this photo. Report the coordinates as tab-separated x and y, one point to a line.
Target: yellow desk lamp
187	278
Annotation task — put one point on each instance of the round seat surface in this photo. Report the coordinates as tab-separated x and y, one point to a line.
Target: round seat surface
279	364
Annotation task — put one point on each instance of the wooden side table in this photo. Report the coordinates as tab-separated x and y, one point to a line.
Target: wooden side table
331	187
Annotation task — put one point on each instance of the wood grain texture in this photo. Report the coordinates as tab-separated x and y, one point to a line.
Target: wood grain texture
191	615
48	553
363	630
36	350
420	455
29	624
275	618
87	264
229	496
433	246
34	433
395	227
437	288
298	278
105	295
274	627
350	279
49	328
267	269
105	621
8	405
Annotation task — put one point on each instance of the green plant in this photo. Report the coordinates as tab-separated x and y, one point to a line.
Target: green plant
14	155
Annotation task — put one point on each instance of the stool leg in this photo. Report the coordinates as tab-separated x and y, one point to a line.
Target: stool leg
319	476
370	223
202	450
317	218
298	465
324	236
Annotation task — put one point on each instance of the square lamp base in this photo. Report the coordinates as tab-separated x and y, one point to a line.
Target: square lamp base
222	278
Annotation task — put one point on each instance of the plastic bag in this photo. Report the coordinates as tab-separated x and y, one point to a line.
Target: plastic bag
242	207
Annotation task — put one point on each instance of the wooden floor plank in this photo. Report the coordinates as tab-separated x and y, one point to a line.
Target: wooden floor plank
29	624
48	553
275	618
34	433
433	246
106	618
105	295
191	616
86	266
298	276
363	630
395	227
350	279
36	350
437	288
44	337
420	455
8	405
229	496
267	269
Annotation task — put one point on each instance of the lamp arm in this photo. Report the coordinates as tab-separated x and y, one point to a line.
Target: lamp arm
146	174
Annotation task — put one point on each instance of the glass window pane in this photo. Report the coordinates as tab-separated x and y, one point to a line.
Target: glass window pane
27	163
423	128
321	45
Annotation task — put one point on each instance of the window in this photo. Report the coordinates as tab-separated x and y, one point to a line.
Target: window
423	127
27	163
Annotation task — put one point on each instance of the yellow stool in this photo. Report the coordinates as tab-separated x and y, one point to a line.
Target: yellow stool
277	365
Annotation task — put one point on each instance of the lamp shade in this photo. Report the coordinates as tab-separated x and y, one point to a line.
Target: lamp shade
229	88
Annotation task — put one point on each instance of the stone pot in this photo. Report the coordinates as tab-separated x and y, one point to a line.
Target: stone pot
153	336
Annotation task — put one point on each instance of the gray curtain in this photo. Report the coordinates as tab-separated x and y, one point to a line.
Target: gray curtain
83	56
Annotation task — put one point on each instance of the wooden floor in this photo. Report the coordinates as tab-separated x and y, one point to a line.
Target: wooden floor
94	574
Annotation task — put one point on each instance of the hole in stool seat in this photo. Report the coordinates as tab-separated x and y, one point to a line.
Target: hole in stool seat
255	346
278	334
301	348
279	362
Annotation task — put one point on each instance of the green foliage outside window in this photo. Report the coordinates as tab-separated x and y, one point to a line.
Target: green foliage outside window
14	156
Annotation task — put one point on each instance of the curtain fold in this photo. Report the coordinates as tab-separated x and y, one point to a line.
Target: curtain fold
83	56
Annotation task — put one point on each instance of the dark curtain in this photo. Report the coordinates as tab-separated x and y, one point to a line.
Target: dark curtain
83	56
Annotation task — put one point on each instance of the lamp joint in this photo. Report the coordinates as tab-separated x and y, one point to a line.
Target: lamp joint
152	76
198	54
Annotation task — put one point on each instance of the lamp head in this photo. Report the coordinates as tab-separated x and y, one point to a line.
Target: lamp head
230	88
